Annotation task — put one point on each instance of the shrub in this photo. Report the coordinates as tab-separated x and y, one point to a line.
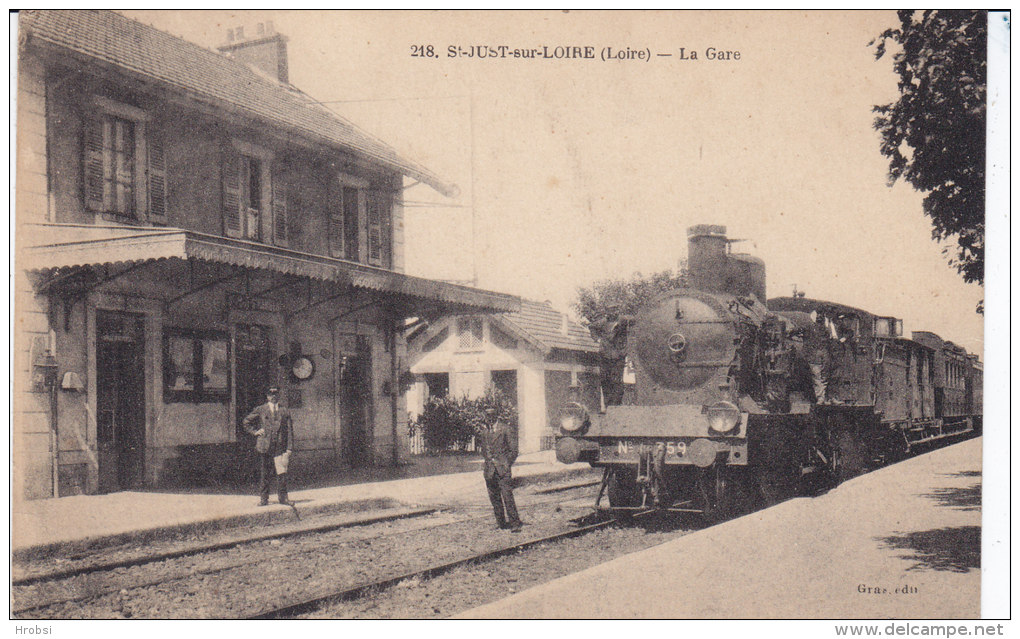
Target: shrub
442	425
448	424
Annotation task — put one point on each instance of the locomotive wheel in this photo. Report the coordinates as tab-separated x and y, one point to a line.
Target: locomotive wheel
623	491
777	474
714	489
849	457
891	448
726	493
777	484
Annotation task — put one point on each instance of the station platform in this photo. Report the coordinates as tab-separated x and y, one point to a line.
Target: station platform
901	542
80	523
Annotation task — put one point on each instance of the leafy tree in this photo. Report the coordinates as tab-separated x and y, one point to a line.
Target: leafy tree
934	134
604	308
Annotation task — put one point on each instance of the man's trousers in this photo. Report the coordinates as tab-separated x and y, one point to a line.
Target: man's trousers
501	494
267	470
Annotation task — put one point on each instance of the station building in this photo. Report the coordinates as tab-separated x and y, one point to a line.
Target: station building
192	229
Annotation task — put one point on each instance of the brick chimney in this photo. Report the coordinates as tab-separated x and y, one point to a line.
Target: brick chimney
267	51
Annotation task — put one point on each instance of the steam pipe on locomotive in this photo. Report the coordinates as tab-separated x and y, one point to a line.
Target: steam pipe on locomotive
734	402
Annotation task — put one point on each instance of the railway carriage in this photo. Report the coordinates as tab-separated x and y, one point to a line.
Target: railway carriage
734	400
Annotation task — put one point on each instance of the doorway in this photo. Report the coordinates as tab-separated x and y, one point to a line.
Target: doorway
505	383
354	376
120	400
253	355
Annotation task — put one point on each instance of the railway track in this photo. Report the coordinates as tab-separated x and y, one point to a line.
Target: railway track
204	547
78	588
290	609
351	588
235	540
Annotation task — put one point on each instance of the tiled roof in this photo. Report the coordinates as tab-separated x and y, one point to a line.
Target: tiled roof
114	39
544	324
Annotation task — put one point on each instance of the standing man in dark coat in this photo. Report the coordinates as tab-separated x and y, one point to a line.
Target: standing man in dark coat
817	340
273	426
499	447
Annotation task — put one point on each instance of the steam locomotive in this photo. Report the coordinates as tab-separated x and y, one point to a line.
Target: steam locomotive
733	400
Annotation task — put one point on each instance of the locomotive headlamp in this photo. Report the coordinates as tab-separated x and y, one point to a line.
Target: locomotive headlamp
574	418
723	417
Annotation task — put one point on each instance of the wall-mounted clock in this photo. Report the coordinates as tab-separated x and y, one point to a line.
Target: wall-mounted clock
302	368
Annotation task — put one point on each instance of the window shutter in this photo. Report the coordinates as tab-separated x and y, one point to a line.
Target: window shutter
352	223
280	225
231	194
251	198
94	164
385	204
374	229
336	224
157	179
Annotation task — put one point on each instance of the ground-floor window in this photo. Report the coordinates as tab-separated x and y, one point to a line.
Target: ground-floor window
505	383
437	384
196	366
557	388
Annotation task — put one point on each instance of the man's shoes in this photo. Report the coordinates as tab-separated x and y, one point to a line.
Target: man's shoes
502	525
263	502
516	526
286	502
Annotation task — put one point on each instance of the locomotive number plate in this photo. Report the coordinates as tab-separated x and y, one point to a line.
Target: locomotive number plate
673	449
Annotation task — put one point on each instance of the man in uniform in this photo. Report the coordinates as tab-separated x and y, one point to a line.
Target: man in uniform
499	447
273	426
816	341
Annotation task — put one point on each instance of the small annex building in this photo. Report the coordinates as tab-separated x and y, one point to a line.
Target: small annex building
534	355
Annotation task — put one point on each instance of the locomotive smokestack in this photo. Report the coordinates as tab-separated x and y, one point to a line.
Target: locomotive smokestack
706	257
713	268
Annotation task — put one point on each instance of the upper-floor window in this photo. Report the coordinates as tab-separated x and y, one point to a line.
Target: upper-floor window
125	171
360	222
378	230
254	200
344	213
469	332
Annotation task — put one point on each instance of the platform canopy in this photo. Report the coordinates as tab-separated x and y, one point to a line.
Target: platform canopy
61	251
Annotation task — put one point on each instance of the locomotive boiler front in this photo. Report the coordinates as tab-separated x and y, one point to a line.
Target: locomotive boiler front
681	348
693	353
683	345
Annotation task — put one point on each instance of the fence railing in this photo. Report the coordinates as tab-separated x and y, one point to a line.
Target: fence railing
416	445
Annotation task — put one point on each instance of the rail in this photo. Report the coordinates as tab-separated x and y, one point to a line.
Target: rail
288	610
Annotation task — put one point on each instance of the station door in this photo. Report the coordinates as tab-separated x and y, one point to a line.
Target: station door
120	400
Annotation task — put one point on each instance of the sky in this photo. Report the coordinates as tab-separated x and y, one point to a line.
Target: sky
576	170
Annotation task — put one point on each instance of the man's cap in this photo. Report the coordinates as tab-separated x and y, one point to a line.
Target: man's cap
273	390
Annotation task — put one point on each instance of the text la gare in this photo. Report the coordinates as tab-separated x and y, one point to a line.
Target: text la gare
711	53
